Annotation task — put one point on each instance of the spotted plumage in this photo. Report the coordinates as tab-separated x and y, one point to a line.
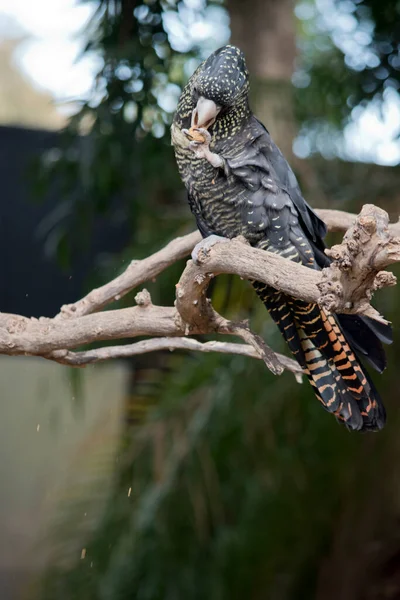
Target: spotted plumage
239	183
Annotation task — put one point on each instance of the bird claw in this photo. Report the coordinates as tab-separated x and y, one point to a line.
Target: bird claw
196	143
205	246
201	149
205	134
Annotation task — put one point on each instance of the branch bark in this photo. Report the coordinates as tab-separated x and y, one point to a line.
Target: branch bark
341	221
137	272
78	359
358	262
140	271
346	286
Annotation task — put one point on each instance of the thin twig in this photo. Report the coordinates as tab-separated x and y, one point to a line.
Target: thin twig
88	357
137	272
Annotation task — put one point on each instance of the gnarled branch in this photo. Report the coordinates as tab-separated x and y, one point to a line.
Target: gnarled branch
77	359
137	272
339	220
346	286
358	262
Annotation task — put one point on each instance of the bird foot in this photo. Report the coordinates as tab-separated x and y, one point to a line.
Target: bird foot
205	246
201	147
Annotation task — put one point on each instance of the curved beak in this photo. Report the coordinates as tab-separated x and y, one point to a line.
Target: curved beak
205	113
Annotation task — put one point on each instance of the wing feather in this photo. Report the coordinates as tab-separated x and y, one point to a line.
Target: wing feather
276	208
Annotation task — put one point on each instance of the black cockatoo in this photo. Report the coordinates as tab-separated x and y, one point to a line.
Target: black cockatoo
239	183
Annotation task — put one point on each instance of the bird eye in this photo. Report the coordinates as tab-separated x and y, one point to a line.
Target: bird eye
195	90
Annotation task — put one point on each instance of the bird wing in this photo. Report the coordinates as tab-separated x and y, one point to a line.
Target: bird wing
275	215
314	226
274	204
272	207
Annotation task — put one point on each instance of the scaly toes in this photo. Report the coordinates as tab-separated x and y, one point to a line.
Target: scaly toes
205	246
206	135
195	145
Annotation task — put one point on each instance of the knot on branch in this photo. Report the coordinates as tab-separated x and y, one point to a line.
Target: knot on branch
67	311
16	324
191	301
348	284
264	352
143	298
384	279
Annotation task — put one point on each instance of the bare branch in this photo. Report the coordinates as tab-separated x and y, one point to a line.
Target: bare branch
134	275
67	357
236	257
140	271
356	273
338	220
20	335
196	311
51	338
270	358
346	286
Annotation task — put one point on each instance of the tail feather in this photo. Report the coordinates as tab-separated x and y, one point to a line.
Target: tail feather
366	337
329	386
314	336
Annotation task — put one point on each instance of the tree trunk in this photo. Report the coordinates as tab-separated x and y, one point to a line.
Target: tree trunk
265	31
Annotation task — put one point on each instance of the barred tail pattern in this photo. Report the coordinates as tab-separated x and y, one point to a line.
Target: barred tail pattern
316	340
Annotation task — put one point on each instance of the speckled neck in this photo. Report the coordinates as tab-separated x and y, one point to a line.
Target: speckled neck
231	122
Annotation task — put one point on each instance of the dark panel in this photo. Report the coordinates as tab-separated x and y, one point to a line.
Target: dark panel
31	283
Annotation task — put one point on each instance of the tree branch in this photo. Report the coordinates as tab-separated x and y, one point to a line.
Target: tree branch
137	272
358	262
76	359
346	286
140	271
338	220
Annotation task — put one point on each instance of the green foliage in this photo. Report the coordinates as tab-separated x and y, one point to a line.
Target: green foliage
114	157
349	57
110	169
238	480
235	491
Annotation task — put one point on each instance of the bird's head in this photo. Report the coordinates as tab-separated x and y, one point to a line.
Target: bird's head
219	84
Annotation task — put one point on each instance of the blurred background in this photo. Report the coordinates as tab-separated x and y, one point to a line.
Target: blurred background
182	476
